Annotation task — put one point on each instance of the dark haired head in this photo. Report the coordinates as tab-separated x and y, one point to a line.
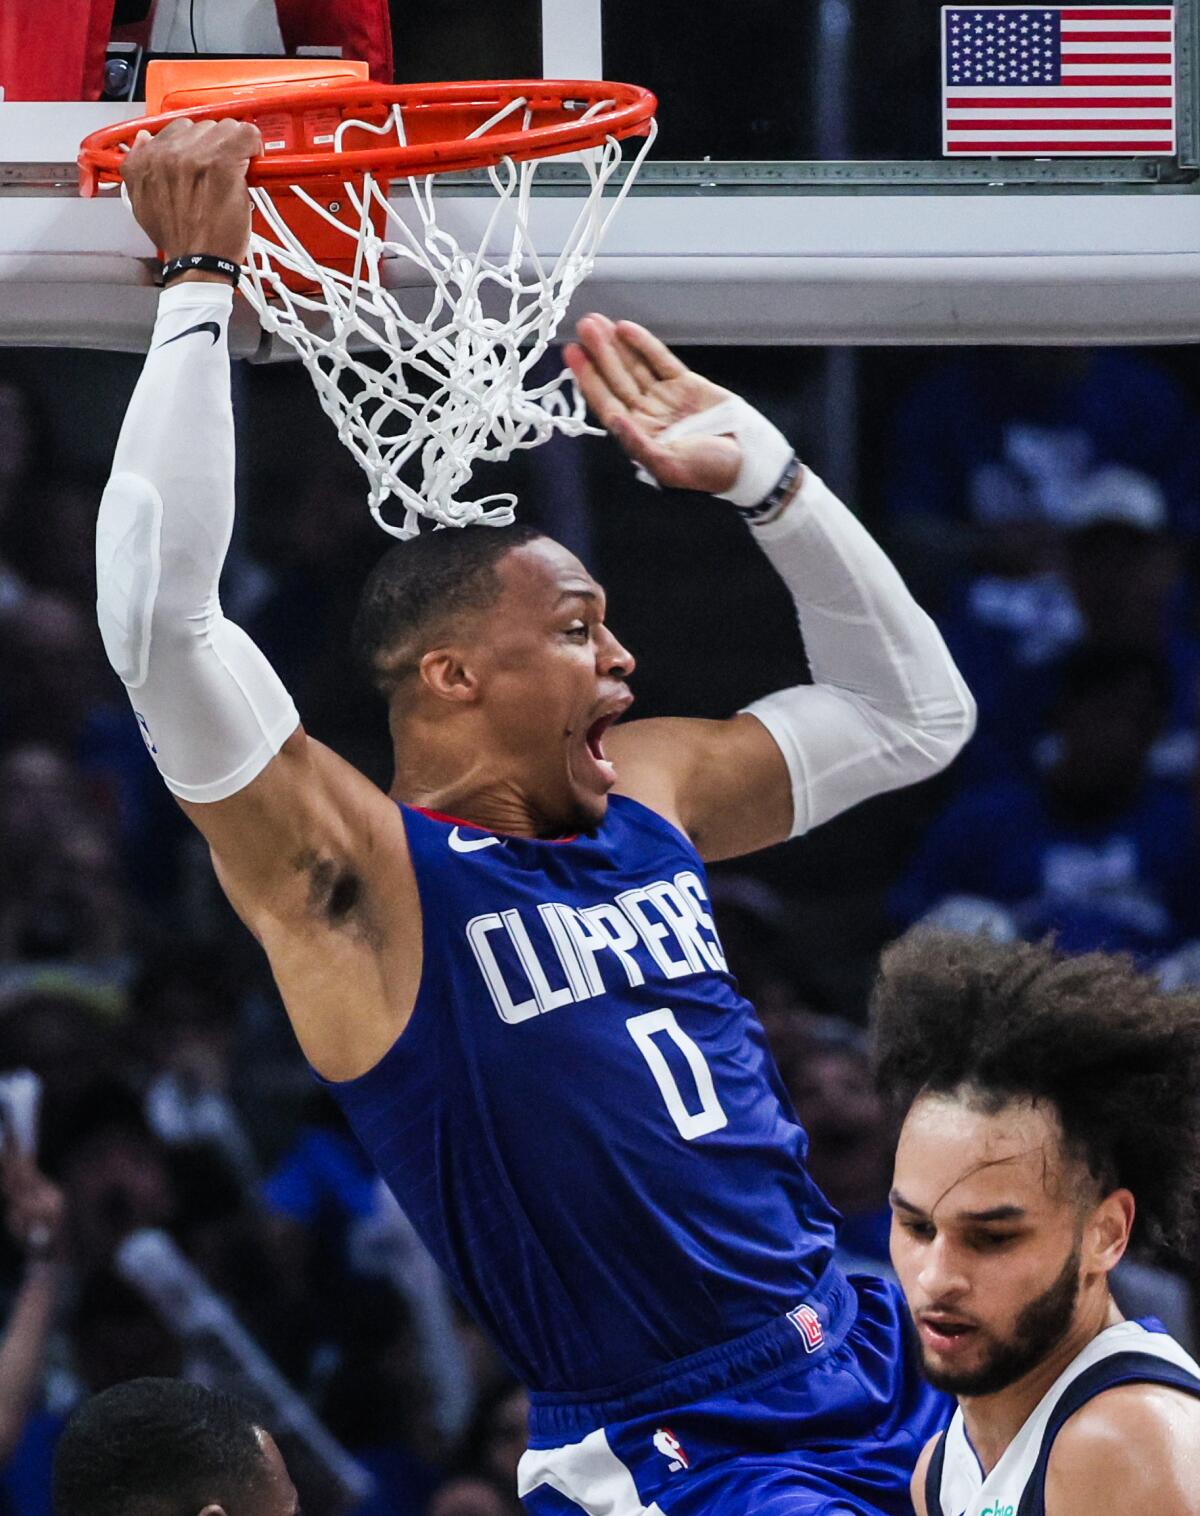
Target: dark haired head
420	588
1092	670
159	1447
501	676
1116	1058
1111	705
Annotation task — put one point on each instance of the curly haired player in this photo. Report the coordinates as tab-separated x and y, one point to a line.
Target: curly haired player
1053	1115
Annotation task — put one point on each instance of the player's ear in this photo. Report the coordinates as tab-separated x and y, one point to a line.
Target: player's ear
448	675
1107	1234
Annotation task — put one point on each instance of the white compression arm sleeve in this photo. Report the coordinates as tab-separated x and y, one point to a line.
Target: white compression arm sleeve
212	711
887	705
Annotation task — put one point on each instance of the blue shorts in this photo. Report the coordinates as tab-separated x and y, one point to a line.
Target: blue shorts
822	1412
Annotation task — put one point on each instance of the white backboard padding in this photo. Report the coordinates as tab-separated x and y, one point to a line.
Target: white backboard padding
711	265
773	270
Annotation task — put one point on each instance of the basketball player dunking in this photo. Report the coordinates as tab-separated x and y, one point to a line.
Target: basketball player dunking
507	970
1054	1107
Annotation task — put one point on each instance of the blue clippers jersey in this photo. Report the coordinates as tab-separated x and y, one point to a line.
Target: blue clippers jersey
582	1120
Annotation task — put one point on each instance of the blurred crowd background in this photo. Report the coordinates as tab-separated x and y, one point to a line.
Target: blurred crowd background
197	1207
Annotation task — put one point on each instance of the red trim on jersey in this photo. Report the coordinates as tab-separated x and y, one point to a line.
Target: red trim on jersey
475	827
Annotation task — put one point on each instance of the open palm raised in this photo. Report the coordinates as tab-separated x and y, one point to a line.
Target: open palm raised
637	388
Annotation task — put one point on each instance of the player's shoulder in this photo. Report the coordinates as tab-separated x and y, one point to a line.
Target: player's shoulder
1128	1418
1130	1447
648	754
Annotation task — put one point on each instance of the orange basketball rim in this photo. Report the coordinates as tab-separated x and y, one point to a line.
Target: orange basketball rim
332	129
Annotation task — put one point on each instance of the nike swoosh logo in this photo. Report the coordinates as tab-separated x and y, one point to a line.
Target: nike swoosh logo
460	844
203	326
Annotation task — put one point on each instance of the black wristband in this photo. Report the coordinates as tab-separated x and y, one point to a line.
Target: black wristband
206	263
768	508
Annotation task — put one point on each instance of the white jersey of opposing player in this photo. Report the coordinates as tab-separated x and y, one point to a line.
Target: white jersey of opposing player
1130	1352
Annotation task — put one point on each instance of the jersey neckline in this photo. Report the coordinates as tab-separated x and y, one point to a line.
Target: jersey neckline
475	827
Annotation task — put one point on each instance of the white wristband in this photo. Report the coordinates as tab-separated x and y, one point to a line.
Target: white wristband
766	452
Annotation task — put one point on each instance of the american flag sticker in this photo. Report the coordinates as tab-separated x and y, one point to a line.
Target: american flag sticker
1086	81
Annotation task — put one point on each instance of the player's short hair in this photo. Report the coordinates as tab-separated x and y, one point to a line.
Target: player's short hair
418	589
1115	1056
158	1447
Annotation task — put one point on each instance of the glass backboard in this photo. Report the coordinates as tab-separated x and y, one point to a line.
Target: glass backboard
758	90
797	193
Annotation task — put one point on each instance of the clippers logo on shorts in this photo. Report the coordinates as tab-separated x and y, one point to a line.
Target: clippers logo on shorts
808	1324
666	1443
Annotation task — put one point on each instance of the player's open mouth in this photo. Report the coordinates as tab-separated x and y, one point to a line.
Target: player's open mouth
944	1334
594	740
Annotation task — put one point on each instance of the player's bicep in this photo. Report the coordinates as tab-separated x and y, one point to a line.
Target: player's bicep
315	860
786	765
724	783
297	840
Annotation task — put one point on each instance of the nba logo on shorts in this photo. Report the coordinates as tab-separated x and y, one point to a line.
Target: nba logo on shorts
666	1443
808	1324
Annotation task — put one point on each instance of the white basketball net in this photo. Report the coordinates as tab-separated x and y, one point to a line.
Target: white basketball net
454	386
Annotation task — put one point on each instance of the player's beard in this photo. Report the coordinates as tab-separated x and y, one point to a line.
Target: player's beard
1040	1326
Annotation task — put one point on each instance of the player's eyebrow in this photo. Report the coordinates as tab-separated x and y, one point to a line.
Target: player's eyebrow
997	1213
